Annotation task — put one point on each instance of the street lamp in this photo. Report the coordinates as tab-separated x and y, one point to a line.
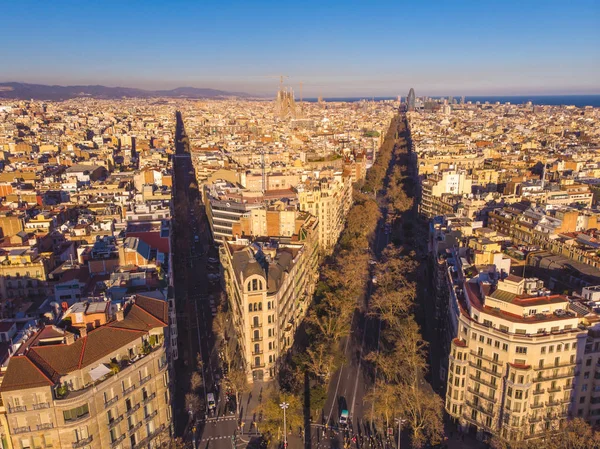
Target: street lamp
400	422
284	406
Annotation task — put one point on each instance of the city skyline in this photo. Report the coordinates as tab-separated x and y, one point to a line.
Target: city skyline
334	50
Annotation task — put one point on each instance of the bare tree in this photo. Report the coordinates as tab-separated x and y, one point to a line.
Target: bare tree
239	384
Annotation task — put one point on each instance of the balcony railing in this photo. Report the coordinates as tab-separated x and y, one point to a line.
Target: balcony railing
134	428
17	408
41	405
145	379
45	426
554	389
117	441
111	401
150	436
541	404
128	390
485	357
83	442
540	391
257	352
258	365
149	398
481	395
22	429
481	408
486	370
151	415
115	421
133	409
483	381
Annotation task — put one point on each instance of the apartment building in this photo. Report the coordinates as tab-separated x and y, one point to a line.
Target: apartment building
514	359
269	283
450	182
329	200
96	387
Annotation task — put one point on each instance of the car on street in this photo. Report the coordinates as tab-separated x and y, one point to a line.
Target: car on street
210	399
344	418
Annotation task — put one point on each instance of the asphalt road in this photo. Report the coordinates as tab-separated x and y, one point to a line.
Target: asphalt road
351	382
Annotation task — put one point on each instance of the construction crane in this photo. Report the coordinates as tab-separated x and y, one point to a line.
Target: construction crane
281	77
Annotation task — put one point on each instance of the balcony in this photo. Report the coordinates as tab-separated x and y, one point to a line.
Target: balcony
23	429
162	365
481	395
115	421
481	408
83	442
256	326
117	441
151	415
554	389
128	390
145	379
486	370
17	409
535	419
553	377
534	406
257	352
134	428
151	436
133	409
111	401
259	365
539	391
256	339
483	381
485	357
45	426
149	398
568	387
41	405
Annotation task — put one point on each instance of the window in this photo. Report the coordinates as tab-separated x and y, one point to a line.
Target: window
521	350
496	344
588	362
254	284
505	346
481	338
81	433
518	394
25	444
250	307
76	413
567	346
543	349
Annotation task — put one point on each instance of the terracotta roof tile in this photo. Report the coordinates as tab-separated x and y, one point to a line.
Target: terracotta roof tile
23	374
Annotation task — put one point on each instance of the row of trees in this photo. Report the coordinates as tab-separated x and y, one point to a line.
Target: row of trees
400	392
340	292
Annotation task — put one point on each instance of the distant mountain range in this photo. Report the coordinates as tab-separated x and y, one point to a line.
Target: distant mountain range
24	91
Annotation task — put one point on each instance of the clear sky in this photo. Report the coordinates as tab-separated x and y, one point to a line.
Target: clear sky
336	48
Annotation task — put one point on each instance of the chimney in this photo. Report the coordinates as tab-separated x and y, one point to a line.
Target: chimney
120	316
82	332
69	338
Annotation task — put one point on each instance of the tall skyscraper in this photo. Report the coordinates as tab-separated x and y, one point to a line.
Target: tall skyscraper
410	100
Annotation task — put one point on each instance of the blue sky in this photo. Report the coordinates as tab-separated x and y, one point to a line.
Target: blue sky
336	48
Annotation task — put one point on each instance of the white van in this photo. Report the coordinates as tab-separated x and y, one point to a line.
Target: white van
210	399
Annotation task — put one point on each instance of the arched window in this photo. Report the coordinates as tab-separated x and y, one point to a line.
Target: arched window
260	306
255	321
269	318
255	307
250	307
260	285
256	335
254	284
268	305
248	288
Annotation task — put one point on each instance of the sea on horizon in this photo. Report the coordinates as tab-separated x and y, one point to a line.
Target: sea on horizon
550	100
